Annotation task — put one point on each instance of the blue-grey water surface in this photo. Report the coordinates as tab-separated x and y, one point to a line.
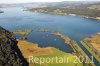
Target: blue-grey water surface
75	27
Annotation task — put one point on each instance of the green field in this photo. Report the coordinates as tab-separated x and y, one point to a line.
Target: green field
48	52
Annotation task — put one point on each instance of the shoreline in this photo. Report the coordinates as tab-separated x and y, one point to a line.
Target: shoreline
92	44
77	50
65	38
24	33
30	49
82	16
93	53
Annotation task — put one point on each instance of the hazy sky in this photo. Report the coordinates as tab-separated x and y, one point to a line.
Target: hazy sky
25	1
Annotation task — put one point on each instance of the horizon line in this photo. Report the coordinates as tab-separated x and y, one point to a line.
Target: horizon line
50	2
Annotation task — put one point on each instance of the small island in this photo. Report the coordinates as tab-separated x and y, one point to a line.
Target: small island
24	33
42	30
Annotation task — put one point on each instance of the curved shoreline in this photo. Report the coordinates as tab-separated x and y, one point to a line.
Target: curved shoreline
65	38
77	50
83	16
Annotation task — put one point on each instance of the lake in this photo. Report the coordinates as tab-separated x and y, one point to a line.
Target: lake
75	27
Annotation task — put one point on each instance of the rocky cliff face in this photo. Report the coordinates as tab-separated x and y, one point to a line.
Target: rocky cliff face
10	54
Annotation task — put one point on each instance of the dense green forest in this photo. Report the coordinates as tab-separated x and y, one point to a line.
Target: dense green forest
10	55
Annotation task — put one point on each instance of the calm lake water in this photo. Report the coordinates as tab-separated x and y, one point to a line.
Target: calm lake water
75	27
